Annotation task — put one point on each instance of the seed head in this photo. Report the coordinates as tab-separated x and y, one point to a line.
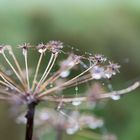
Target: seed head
71	61
41	48
54	46
2	48
21	87
24	47
111	70
99	58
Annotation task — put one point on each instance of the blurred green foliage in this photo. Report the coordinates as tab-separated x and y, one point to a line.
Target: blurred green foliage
110	27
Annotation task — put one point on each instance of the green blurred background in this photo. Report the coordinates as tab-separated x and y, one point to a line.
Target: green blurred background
110	27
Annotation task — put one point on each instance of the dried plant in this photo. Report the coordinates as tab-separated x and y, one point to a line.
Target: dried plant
47	119
22	88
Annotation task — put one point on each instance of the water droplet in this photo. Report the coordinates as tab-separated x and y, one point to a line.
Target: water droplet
42	50
51	85
24	51
96	124
9	72
7	89
115	97
76	88
21	119
65	74
72	130
83	64
108	75
97	72
72	48
76	102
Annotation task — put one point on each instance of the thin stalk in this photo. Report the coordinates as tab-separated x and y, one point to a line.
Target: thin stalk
68	82
53	78
4	93
37	69
9	84
27	72
50	80
5	84
65	100
30	120
50	61
18	76
80	80
11	81
16	62
4	98
100	97
48	68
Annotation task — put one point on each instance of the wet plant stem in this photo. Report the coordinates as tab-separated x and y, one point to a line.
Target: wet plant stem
59	133
30	120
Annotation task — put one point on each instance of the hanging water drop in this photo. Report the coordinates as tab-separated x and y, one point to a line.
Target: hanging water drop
76	102
115	97
72	130
97	72
108	75
76	88
51	85
65	74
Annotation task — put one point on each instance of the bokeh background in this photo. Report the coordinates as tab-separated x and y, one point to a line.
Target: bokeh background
110	27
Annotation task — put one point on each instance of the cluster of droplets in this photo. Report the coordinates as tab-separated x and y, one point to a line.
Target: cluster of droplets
103	71
70	122
52	46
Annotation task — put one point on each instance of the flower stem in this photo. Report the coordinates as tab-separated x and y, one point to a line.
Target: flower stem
59	133
30	120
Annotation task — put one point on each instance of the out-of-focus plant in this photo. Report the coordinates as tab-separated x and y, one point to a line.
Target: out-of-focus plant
61	122
21	87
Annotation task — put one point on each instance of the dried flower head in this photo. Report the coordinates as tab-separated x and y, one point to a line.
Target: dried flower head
2	48
24	47
27	90
111	69
22	88
100	58
71	61
41	48
54	46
